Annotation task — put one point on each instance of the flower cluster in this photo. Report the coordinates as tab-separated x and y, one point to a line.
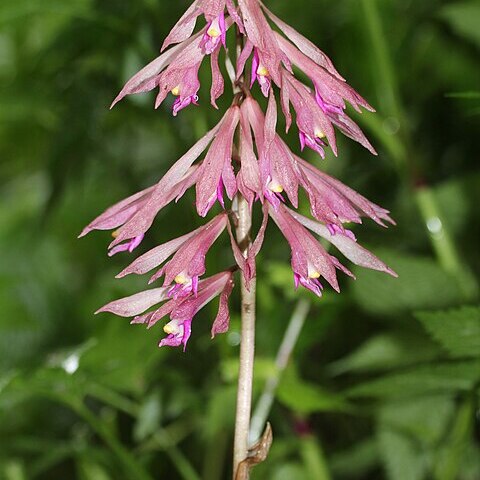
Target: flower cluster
242	155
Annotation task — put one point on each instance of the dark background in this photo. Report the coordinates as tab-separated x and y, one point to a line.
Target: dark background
384	382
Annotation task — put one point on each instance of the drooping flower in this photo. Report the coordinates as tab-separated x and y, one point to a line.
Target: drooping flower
333	202
181	309
135	215
260	167
310	261
215	34
188	261
216	173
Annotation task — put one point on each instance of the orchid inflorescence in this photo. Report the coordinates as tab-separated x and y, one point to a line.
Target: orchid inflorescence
265	171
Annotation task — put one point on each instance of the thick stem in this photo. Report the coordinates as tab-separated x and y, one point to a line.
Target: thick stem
247	344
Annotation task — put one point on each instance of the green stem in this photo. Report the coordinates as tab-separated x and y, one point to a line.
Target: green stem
440	238
265	402
314	458
389	89
404	156
448	467
182	464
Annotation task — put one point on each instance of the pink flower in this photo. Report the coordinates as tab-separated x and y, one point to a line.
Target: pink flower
153	199
176	70
334	203
216	33
259	165
216	172
135	214
260	74
188	261
310	261
213	10
346	244
182	310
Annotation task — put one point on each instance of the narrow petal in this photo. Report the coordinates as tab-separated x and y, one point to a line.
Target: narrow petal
143	219
190	257
218	83
147	78
155	257
270	121
303	44
213	166
119	213
135	304
222	320
184	27
262	37
350	248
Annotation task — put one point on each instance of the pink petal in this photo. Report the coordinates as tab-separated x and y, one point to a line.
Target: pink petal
351	249
119	213
190	257
135	304
155	257
222	320
261	35
143	219
147	78
304	45
212	167
184	27
217	79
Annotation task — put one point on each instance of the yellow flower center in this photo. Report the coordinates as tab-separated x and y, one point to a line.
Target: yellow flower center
314	274
319	134
262	71
275	187
115	233
173	328
213	32
180	279
176	91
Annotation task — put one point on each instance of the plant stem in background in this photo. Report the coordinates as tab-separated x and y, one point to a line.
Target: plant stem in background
405	157
247	344
289	341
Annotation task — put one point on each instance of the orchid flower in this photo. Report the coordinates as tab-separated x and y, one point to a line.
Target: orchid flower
242	157
181	310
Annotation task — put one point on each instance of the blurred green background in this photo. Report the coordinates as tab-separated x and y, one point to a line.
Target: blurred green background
384	380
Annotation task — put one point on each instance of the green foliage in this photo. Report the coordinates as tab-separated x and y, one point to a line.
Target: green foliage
384	381
464	18
458	331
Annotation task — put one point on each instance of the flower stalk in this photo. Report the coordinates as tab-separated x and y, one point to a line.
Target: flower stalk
247	343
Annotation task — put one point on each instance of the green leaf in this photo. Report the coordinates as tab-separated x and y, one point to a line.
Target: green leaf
385	352
355	461
464	18
148	420
304	397
458	331
288	471
402	459
422	284
442	377
424	419
89	470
